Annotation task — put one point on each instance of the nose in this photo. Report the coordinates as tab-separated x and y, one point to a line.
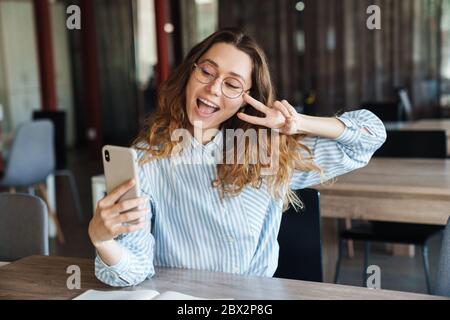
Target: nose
215	87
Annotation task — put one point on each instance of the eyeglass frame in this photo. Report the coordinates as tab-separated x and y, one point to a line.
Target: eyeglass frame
195	66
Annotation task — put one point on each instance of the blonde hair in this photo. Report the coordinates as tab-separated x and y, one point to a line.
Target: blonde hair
231	178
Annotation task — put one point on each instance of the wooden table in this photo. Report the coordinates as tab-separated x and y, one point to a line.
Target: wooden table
43	277
425	124
387	189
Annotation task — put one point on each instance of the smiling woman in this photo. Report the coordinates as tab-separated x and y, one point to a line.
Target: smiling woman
224	91
213	215
206	92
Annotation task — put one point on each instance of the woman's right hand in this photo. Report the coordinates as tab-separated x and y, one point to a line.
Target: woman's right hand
109	221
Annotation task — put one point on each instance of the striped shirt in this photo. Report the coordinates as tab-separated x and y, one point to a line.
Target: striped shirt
191	227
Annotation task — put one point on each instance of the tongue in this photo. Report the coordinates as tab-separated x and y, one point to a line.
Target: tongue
204	108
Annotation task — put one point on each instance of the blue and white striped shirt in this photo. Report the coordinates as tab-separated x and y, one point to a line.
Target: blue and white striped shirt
191	227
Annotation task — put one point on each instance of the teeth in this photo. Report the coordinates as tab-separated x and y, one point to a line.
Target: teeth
209	104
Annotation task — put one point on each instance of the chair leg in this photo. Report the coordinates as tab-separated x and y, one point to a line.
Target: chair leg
338	262
74	189
426	266
350	243
366	261
52	214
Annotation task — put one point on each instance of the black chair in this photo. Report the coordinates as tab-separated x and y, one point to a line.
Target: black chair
443	276
405	103
299	238
396	110
414	144
389	111
403	144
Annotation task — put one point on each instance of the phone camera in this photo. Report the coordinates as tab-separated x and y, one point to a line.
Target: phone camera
107	155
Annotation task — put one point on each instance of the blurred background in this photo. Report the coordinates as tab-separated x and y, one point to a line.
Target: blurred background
98	82
321	54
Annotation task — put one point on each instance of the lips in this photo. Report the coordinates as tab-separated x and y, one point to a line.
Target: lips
206	108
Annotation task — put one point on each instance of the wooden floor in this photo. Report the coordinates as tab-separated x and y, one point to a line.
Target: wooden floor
397	273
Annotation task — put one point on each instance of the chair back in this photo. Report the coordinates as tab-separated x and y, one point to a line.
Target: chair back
299	238
388	111
405	103
58	118
32	156
443	276
23	226
414	144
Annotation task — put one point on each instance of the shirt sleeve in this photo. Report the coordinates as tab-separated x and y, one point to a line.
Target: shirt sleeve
350	151
136	263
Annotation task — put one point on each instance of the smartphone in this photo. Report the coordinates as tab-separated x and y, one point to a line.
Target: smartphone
120	164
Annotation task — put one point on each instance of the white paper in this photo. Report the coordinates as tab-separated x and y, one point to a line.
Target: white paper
118	295
134	295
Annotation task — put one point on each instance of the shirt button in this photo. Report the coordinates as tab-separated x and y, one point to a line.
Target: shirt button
231	240
235	269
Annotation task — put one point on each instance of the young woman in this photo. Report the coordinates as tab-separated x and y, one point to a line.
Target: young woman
221	215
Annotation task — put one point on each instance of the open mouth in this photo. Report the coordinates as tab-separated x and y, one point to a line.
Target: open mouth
206	108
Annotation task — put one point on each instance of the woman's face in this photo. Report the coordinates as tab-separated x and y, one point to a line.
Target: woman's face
206	104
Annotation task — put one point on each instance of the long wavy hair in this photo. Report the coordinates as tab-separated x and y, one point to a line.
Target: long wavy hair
171	114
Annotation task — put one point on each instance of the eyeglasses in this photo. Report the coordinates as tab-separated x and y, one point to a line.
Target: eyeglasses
231	87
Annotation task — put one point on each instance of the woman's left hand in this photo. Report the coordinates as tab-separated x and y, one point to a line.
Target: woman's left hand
282	116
